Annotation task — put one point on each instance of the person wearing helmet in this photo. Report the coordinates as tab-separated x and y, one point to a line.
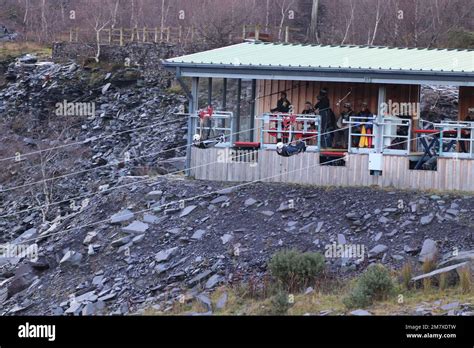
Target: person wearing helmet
205	144
365	112
290	149
341	137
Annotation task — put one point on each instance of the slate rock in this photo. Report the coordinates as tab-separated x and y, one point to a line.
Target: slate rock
426	220
165	255
188	210
136	227
429	250
377	250
198	234
222	301
71	258
122	216
220	199
213	281
205	301
249	202
226	238
360	312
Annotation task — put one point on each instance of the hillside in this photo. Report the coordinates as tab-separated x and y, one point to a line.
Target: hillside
121	230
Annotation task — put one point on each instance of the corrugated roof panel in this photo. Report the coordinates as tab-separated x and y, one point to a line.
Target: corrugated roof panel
364	57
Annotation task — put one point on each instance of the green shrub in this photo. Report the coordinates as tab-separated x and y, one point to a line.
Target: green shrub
175	89
279	303
294	269
374	285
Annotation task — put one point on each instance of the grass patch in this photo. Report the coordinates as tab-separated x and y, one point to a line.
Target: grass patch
11	50
319	302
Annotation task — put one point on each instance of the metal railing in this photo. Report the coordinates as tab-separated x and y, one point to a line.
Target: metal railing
390	135
456	139
357	137
396	135
287	128
220	123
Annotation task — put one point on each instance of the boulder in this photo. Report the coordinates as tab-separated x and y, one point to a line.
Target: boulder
429	251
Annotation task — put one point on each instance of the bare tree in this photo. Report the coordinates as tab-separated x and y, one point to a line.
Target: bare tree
378	18
313	29
349	22
284	7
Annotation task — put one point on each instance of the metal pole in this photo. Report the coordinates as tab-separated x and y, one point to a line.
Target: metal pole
252	109
224	100
209	91
224	95
380	128
193	106
237	115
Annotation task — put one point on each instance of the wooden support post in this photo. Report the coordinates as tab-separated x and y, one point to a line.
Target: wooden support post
257	32
71	34
168	34
244	32
161	34
180	33
121	37
156	35
287	34
77	35
145	34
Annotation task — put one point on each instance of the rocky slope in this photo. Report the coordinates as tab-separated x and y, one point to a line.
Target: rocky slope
138	247
118	230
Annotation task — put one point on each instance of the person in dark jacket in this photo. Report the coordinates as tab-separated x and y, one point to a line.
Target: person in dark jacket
283	104
290	149
327	117
308	109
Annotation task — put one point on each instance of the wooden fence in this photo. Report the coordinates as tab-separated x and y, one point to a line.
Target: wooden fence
452	174
182	35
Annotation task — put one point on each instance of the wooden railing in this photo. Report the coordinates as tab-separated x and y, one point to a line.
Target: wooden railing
181	34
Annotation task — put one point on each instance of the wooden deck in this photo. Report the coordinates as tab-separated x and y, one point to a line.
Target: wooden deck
215	164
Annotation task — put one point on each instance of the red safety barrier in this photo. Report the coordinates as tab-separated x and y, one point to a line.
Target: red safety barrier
247	144
333	154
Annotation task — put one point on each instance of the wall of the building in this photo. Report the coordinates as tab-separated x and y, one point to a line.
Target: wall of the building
466	101
452	174
301	91
268	92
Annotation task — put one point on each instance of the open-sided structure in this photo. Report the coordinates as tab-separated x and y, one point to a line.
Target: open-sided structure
390	146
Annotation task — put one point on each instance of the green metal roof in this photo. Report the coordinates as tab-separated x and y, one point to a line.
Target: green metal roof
258	54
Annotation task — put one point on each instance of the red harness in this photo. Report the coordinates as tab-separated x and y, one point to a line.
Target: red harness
206	113
286	123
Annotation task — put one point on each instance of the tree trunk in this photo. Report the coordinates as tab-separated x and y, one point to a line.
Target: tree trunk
313	29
